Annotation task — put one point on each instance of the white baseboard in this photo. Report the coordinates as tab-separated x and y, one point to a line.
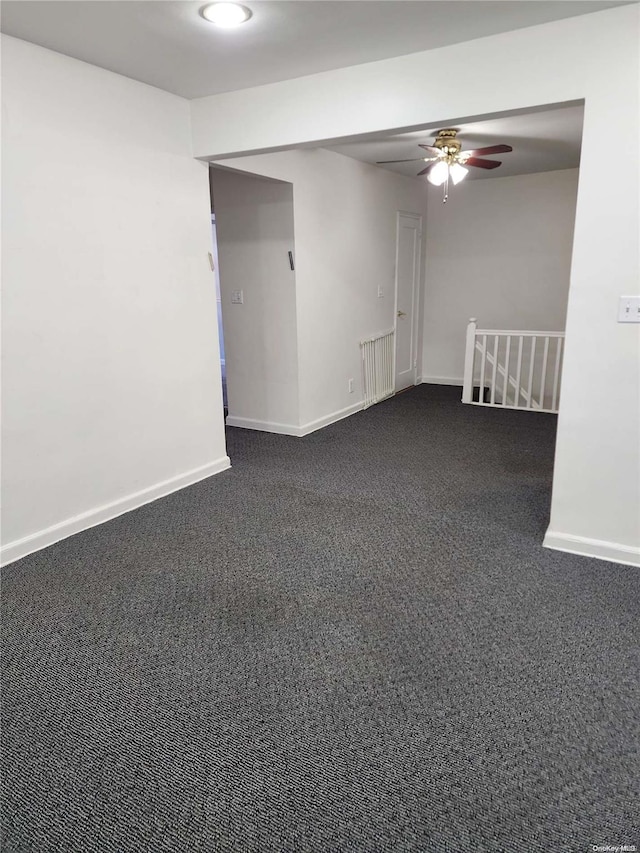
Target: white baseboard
598	548
312	426
442	380
290	429
36	541
263	426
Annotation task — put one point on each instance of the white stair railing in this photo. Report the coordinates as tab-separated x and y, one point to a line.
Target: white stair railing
510	381
513	369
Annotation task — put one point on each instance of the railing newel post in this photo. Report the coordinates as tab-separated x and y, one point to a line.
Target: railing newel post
467	386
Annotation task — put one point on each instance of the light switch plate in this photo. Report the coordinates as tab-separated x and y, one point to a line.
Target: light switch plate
629	309
237	297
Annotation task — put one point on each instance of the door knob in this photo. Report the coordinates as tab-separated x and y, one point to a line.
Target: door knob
401	314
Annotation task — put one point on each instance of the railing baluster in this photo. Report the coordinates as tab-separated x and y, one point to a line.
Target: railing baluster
483	365
531	368
556	374
543	378
505	392
496	340
516	401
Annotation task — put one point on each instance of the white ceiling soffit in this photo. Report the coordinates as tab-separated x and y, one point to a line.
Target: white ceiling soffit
541	141
169	45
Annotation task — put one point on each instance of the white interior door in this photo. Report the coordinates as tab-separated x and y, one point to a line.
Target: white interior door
408	245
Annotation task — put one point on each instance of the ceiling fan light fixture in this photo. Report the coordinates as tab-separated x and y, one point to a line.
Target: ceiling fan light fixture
438	174
457	172
450	162
226	15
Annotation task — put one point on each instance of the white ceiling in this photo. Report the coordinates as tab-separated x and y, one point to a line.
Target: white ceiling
167	44
541	141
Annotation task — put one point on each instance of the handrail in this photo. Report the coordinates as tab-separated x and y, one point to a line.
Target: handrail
517	333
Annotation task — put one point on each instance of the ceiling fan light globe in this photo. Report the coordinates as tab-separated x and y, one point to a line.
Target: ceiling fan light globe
226	15
439	174
458	173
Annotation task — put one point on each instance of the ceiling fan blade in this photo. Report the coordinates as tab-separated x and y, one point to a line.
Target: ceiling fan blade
428	169
430	148
410	160
490	149
482	164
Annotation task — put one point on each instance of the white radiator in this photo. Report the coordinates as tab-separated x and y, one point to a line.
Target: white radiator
377	367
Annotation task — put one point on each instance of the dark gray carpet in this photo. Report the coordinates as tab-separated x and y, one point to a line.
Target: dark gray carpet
349	642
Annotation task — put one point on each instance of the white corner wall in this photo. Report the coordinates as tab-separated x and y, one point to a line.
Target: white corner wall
345	230
498	250
254	225
595	58
111	383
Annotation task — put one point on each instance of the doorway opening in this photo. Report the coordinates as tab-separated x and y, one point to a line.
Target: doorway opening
252	224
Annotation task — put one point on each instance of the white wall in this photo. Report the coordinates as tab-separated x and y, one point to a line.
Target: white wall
345	227
498	250
254	219
110	353
596	491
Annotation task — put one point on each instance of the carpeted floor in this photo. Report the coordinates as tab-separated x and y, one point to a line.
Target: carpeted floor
352	641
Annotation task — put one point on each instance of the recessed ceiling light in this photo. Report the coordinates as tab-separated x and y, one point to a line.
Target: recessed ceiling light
226	14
